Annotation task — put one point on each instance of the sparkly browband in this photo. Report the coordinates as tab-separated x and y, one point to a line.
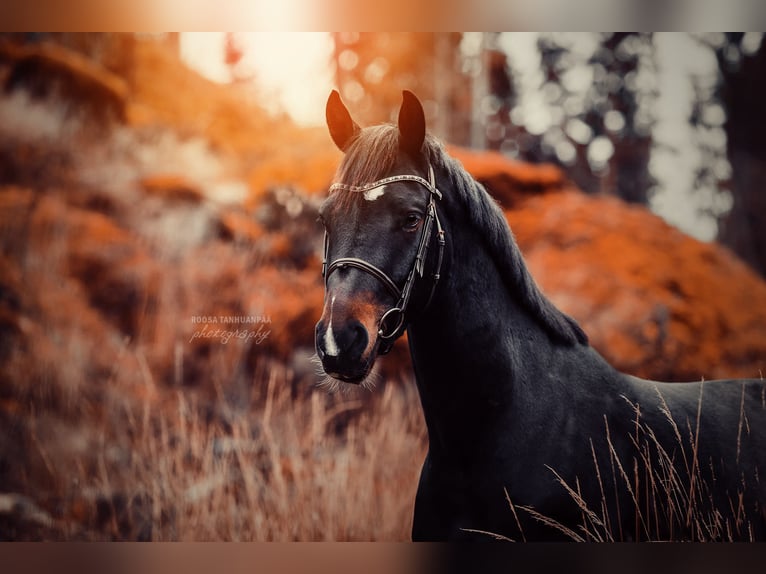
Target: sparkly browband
429	185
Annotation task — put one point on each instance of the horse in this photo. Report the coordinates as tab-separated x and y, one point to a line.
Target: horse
532	435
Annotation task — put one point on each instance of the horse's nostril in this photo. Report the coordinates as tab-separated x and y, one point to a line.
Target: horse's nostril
348	341
359	338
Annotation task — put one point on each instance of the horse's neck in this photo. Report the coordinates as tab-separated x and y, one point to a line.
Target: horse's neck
473	349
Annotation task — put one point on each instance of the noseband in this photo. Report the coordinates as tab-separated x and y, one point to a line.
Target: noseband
396	315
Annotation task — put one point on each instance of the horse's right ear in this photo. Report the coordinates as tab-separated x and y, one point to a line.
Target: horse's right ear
342	127
412	124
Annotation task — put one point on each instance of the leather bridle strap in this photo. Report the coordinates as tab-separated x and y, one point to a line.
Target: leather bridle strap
418	266
344	262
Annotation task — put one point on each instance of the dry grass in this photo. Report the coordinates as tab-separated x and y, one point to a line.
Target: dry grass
281	473
153	436
669	496
110	442
317	467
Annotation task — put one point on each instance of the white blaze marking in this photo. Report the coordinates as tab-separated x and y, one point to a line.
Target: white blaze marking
374	193
331	347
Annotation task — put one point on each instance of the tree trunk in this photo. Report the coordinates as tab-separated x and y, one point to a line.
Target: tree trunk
743	92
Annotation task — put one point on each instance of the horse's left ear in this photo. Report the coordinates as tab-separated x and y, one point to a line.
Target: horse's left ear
412	124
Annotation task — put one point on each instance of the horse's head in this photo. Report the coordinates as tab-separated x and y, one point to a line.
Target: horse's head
383	239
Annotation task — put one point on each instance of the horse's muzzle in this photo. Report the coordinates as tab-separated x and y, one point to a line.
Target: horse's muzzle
342	350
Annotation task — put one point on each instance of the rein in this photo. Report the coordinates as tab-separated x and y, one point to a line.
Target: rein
396	315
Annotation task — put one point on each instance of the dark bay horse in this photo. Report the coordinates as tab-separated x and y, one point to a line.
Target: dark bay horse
532	434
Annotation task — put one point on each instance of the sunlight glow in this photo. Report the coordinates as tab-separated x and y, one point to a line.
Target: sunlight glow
203	51
291	70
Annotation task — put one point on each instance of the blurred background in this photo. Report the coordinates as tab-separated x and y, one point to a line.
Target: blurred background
160	255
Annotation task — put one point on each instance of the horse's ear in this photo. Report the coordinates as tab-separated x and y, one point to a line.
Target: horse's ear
342	127
412	124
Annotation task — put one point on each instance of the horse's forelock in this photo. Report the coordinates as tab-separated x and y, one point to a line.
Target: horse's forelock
370	156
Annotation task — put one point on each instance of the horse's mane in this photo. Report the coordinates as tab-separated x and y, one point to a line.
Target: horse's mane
371	155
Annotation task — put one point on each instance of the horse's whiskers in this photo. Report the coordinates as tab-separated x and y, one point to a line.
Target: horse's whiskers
332	385
319	369
372	379
329	385
325	382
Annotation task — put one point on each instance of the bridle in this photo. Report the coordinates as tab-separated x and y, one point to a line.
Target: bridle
398	312
418	266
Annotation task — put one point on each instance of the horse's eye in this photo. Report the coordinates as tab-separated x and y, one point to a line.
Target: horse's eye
412	221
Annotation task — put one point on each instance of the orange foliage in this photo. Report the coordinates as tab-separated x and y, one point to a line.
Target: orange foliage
293	300
38	67
117	273
236	225
271	150
508	177
164	91
654	301
311	171
171	187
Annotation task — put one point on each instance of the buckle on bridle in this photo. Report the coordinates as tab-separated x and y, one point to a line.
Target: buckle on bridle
397	326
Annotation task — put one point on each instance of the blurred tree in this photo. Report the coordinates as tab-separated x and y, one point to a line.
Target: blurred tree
591	111
499	99
742	62
591	115
620	63
372	69
113	51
